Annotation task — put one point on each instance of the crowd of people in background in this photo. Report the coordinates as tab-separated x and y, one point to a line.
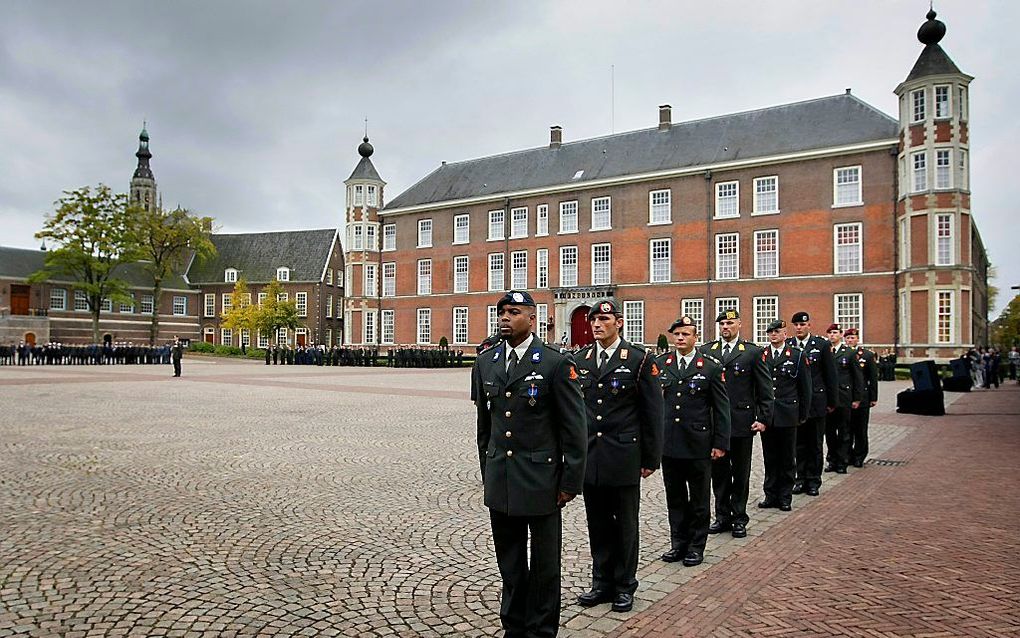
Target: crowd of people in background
394	357
986	366
55	353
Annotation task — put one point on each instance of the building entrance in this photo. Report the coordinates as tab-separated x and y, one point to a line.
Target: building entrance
580	329
19	299
30	338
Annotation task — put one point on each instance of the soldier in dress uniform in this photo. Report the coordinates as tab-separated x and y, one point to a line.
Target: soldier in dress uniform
791	387
861	415
623	397
532	439
696	418
177	352
823	400
850	391
749	388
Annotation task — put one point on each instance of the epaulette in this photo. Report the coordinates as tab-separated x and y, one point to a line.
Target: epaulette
489	349
711	358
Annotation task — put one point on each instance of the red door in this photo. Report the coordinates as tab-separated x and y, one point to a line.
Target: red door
580	329
19	299
301	339
30	338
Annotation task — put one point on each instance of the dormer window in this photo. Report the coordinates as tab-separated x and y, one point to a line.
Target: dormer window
230	275
283	274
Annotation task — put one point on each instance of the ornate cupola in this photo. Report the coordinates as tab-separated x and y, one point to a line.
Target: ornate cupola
143	184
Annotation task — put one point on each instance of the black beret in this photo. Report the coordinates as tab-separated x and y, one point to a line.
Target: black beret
606	306
516	298
800	317
778	324
728	314
683	322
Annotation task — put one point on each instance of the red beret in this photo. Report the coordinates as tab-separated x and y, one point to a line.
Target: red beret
851	332
833	326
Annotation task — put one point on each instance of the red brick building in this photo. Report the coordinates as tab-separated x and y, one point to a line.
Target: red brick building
803	206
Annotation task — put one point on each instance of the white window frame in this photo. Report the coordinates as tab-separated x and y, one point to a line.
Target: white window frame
519	270
210	305
387	326
568	218
945	239
424	271
461	229
841	316
496	266
372	199
329	308
601	278
904	243
660	207
542	220
964	172
759	254
227	302
283	274
919	172
147	304
918	105
301	303
106	305
634	321
491	320
542	319
733	242
519	222
722	304
368	325
263	339
370	239
226	337
497	225
371	280
566	268
663	274
329	276
542	268
943	168
424	326
601	213
359	195
766	310
389	279
943	108
425	233
180	306
460	325
695	309
721	199
81	301
357	237
837	243
126	307
230	275
389	241
282	337
461	273
759	195
837	175
58	299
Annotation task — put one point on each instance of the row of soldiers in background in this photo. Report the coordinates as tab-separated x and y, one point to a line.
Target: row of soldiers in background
315	355
54	353
887	366
424	357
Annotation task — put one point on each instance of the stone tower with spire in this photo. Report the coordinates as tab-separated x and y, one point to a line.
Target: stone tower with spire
942	270
363	271
143	184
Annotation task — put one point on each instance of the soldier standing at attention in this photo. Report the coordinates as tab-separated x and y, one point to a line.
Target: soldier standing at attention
791	387
860	416
176	353
749	388
623	397
850	391
532	439
823	401
696	419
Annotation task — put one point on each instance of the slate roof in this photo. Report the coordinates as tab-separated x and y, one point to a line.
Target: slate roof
19	263
932	61
365	170
815	124
256	256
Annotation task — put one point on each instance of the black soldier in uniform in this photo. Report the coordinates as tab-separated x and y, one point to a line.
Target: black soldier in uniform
624	400
749	388
823	400
860	416
176	353
696	432
850	384
531	439
791	388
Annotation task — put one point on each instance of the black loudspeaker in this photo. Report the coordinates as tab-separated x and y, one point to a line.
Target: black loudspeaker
926	402
957	384
925	376
960	368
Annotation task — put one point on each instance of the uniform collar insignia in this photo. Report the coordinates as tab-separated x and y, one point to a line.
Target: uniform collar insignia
740	347
699	362
587	355
623	353
536	356
715	346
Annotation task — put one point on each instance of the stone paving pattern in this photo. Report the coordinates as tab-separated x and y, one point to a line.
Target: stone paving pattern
249	500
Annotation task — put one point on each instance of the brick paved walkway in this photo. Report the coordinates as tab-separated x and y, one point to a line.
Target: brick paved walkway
929	548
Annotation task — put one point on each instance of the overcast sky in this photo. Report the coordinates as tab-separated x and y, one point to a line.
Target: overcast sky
256	109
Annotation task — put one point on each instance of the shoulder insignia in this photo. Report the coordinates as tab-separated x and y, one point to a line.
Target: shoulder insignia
536	356
655	370
699	363
623	353
669	360
740	347
573	373
715	346
587	355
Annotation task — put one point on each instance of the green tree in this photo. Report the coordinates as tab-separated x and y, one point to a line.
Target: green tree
166	240
91	238
242	314
1005	331
274	314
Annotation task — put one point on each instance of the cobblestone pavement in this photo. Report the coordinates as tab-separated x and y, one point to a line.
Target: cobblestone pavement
247	500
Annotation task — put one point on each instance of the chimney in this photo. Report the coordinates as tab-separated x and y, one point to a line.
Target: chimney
555	136
665	117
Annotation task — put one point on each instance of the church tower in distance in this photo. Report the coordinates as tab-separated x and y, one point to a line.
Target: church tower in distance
143	184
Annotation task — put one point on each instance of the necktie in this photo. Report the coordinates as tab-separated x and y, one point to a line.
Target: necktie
511	363
603	360
775	353
682	364
726	351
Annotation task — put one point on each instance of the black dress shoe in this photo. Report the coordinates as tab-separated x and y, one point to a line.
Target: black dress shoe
674	555
768	504
830	468
798	488
623	602
693	558
594	597
858	463
841	470
811	491
739	530
785	507
718	527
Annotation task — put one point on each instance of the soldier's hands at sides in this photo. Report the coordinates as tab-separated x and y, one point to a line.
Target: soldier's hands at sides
855	405
757	426
645	472
717	453
564	498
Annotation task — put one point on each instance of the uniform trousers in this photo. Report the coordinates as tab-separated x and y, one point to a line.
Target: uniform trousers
730	478
779	448
177	368
688	492
612	514
837	437
809	451
859	419
530	603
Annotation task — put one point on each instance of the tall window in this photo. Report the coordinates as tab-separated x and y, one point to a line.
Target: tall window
766	253
283	274
601	213
301	302
128	307
920	164
660	207
542	220
942	106
263	340
368	326
372	199
147	304
964	179
460	325
496	272
568	217
227	302
722	304
107	305
496	224
848	311
727	256
358	234
944	239
460	273
81	302
542	268
387	326
246	337
370	280
846	184
230	275
370	237
766	310
226	337
905	316
518	222
695	309
58	299
904	243
519	270
359	195
634	321
424	325
943	168
601	266
424	276
329	306
542	318
424	233
389	237
210	305
660	255
727	199
918	104
766	195
281	336
389	279
461	229
491	320
568	266
329	276
848	248
180	306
